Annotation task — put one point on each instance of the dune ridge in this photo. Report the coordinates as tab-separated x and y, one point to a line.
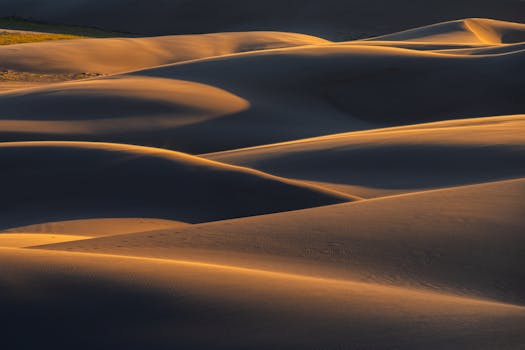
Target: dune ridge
68	181
264	190
467	31
399	159
389	240
261	302
287	93
116	55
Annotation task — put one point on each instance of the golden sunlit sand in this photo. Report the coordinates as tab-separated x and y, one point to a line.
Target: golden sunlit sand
257	188
231	100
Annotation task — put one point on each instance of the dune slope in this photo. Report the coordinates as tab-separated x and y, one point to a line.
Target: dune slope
466	240
43	182
468	31
141	110
106	302
114	55
288	94
361	194
384	161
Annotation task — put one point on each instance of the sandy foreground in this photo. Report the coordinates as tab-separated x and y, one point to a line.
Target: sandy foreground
265	190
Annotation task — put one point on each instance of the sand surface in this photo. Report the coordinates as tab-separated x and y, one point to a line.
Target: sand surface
397	160
254	98
265	189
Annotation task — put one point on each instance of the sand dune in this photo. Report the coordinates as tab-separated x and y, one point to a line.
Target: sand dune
269	96
114	55
484	50
466	240
127	109
359	194
67	181
333	18
468	31
164	304
369	83
396	160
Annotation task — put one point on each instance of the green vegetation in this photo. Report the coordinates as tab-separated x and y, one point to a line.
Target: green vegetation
10	38
16	76
16	23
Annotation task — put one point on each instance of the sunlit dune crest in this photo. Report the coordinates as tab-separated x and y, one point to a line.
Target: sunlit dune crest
276	308
468	31
96	180
124	105
416	157
244	99
357	187
401	240
117	55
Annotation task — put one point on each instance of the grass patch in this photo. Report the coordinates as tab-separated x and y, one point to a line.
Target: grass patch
10	38
16	23
16	76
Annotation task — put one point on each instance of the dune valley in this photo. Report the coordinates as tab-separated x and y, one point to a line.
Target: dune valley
175	175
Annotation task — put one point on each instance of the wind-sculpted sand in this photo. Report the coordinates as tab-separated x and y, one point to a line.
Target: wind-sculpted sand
268	96
397	160
67	180
117	55
264	190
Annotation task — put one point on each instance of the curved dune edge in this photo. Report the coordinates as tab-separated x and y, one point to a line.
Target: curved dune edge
116	55
116	106
100	180
94	227
276	308
466	31
291	229
380	162
463	240
245	100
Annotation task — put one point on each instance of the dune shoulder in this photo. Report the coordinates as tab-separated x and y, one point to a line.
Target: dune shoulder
263	309
57	181
399	159
462	240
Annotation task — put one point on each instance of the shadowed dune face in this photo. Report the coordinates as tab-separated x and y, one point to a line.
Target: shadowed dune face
109	108
364	244
60	181
107	302
467	240
121	97
269	96
378	85
405	158
334	18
